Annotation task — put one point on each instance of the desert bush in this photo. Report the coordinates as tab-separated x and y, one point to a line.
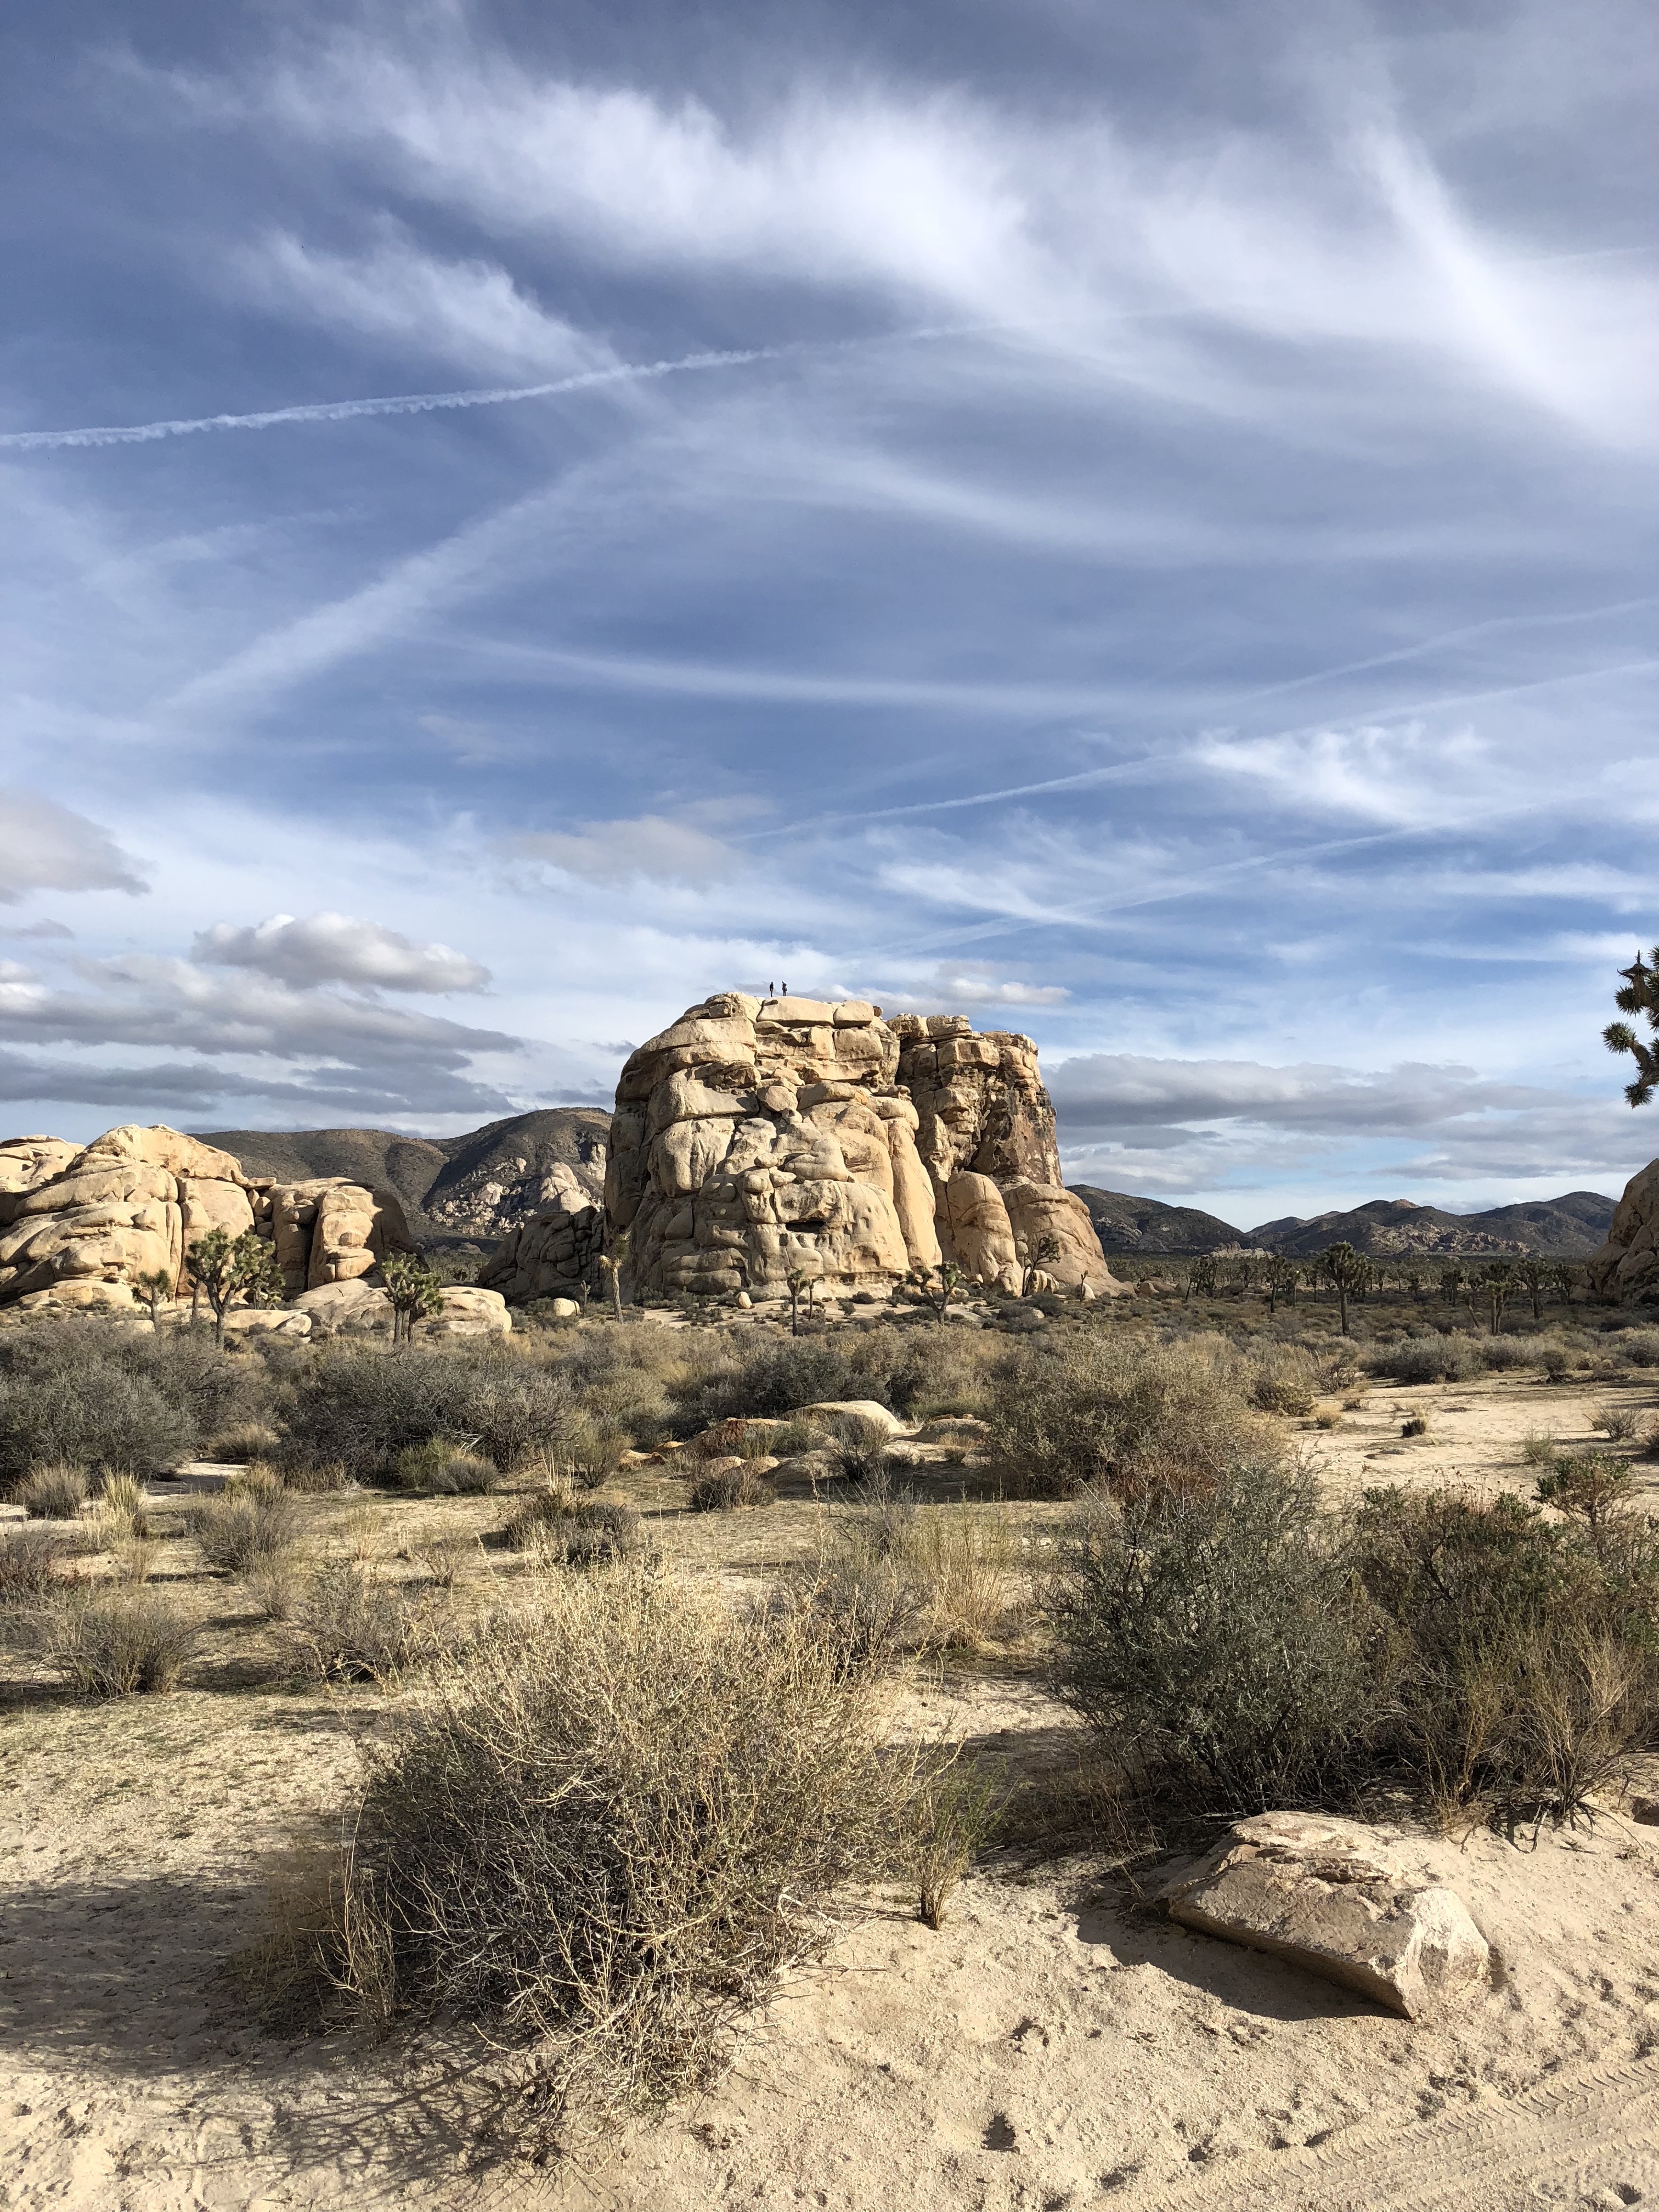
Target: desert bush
117	1643
1593	1487
1538	1449
790	1438
593	1452
858	1449
1501	1354
362	1407
54	1491
602	1839
1637	1347
1092	1410
348	1627
245	1526
1218	1635
1455	1358
444	1470
1285	1381
32	1564
559	1531
913	1372
959	1804
314	1477
275	1584
726	1489
1526	1661
446	1560
240	1446
1618	1423
964	1568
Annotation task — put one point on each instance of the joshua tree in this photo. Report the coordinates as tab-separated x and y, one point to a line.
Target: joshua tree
413	1289
1564	1281
801	1278
222	1267
1535	1275
943	1286
154	1288
1451	1282
1639	996
1033	1258
612	1264
1497	1281
1347	1272
1281	1273
1201	1276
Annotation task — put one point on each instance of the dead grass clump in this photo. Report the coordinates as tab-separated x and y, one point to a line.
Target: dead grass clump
1429	1358
121	1515
237	1447
348	1627
1537	1448
247	1525
1618	1423
959	1805
728	1487
1285	1382
446	1560
54	1491
32	1564
443	1469
117	1643
593	1533
601	1840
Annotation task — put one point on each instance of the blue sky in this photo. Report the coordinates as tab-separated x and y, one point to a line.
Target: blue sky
1134	524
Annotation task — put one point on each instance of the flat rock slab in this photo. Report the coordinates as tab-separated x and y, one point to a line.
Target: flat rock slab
1331	1897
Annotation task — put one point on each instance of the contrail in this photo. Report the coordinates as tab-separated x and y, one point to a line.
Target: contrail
412	403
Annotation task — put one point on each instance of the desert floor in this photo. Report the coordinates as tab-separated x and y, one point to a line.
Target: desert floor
1057	2043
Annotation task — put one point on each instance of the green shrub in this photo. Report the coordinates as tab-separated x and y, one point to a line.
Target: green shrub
56	1491
601	1841
362	1407
117	1643
1092	1410
1218	1634
1528	1667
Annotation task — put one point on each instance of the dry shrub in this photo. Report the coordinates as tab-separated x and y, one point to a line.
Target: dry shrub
1538	1449
1618	1423
965	1568
247	1525
593	1533
314	1477
726	1489
593	1452
121	1513
348	1627
362	1407
117	1643
240	1446
1285	1381
600	1841
1430	1358
446	1560
54	1491
858	1449
31	1563
959	1804
1091	1410
275	1585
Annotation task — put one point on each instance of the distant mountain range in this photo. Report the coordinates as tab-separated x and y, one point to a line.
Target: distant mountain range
456	1191
1566	1228
466	1191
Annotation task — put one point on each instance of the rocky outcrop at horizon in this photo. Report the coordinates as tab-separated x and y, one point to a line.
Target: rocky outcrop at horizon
758	1139
80	1224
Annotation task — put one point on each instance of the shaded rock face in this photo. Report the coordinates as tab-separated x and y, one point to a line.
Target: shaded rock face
758	1138
80	1224
551	1255
1627	1265
1330	1896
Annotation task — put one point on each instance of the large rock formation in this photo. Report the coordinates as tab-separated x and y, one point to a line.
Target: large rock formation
1627	1265
755	1139
80	1224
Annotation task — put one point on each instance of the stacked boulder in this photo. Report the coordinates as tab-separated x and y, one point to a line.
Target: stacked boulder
760	1139
79	1225
1627	1265
552	1255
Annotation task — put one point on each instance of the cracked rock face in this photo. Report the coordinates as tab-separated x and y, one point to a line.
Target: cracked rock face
79	1223
1628	1263
758	1139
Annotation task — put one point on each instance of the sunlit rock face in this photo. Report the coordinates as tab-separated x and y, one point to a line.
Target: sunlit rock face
79	1225
755	1139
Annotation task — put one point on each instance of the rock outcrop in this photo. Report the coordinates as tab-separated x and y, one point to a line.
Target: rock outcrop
552	1254
756	1140
355	1308
80	1224
1331	1896
1627	1265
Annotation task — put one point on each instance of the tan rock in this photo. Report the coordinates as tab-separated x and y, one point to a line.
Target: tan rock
206	1206
467	1311
863	1409
1627	1264
162	1147
349	1308
1331	1896
267	1321
981	1235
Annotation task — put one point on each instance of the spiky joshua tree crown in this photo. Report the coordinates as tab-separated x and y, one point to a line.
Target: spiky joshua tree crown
1639	996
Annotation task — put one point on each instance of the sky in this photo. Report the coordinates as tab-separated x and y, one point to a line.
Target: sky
1132	525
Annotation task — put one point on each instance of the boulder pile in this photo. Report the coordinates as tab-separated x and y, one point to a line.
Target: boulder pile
761	1138
79	1223
1627	1265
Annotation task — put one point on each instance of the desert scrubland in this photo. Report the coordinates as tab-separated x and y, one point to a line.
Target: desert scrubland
837	1674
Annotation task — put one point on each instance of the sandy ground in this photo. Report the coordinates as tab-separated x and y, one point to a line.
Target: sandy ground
1056	2045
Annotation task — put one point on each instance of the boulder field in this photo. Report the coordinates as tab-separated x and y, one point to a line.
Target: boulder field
761	1138
79	1223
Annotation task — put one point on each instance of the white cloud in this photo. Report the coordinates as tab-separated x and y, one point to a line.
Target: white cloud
337	948
471	312
965	983
648	848
45	847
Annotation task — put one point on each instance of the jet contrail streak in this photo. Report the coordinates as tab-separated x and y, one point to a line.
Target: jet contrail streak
414	402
